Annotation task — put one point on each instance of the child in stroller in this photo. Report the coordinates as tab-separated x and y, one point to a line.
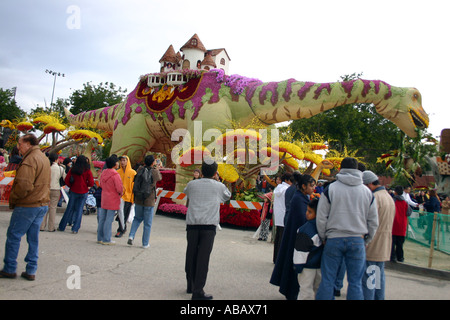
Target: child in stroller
91	204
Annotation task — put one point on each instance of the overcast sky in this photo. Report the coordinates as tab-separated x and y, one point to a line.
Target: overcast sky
405	43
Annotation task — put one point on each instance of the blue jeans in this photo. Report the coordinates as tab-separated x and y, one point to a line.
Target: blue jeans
24	220
352	251
105	220
340	276
142	214
373	281
74	211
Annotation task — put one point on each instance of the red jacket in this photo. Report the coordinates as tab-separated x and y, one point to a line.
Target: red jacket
401	219
81	184
112	189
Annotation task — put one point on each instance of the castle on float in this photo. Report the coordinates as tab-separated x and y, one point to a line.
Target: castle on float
194	56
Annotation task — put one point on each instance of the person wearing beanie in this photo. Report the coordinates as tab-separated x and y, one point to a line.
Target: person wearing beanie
379	249
346	221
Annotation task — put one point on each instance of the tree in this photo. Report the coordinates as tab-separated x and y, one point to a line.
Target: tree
9	109
93	97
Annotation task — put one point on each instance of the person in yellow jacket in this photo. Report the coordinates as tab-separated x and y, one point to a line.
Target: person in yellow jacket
127	175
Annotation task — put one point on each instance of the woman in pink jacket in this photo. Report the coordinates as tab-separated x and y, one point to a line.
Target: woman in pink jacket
112	190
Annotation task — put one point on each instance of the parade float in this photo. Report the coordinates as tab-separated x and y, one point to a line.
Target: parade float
192	109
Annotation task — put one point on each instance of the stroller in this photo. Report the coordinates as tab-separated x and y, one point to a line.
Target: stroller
91	204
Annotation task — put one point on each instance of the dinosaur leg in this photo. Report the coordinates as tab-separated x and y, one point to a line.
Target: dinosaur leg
133	139
211	117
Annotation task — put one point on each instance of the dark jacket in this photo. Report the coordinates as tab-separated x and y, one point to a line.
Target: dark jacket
308	247
432	205
284	274
150	201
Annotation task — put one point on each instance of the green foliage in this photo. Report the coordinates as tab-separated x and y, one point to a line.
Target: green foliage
9	109
93	97
412	157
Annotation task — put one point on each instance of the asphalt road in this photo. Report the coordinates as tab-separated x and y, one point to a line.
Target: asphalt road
76	267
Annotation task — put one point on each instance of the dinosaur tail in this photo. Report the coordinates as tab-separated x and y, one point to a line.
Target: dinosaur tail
102	118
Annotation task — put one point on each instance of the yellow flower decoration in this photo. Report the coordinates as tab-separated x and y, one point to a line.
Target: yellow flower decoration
228	172
7	124
231	135
24	126
313	157
55	126
290	161
272	153
315	146
336	161
46	119
84	135
294	150
241	153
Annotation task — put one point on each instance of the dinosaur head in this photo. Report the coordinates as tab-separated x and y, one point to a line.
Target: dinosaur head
405	110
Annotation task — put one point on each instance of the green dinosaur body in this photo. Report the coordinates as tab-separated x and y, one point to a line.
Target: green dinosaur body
147	118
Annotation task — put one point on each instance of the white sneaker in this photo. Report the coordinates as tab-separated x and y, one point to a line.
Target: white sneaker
110	243
146	247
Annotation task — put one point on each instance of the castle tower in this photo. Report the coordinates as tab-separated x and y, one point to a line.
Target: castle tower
169	60
194	53
208	63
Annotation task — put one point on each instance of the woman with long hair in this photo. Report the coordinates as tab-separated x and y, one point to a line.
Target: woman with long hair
284	274
79	179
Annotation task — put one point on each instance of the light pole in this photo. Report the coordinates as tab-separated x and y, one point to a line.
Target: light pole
54	73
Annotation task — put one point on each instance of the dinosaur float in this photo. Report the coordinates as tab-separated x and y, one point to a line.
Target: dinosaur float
164	102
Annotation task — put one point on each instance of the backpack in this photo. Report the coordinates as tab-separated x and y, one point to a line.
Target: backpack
143	184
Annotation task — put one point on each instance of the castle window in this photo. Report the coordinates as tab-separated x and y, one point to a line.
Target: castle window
222	61
194	42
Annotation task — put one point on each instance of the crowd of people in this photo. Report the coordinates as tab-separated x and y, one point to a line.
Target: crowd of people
351	225
36	193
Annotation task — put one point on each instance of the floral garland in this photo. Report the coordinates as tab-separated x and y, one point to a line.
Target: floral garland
236	82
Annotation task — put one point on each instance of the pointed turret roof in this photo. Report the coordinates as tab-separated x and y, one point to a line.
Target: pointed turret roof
169	56
208	61
194	43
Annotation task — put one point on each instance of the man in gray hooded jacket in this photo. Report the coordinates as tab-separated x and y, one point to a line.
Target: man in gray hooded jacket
346	221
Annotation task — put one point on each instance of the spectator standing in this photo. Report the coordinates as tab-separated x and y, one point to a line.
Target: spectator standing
279	210
202	217
308	254
29	198
346	221
379	249
79	180
144	205
402	212
290	193
57	173
283	274
112	190
127	175
432	205
407	196
14	159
